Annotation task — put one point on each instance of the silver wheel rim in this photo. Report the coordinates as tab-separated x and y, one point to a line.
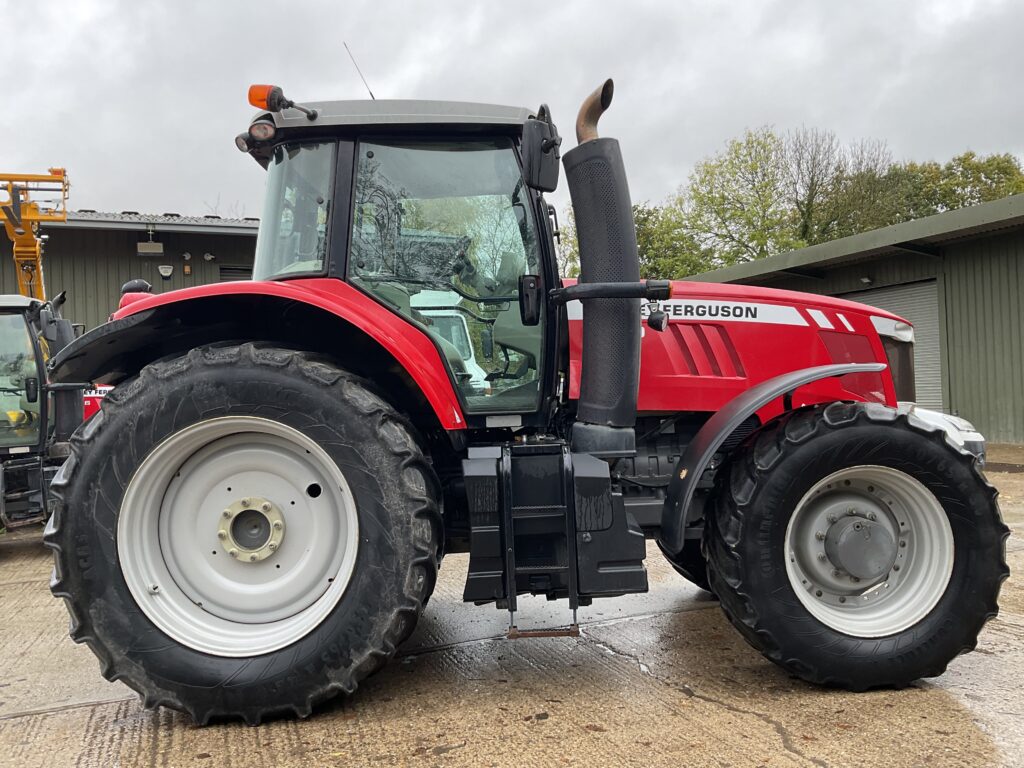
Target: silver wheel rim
259	488
893	507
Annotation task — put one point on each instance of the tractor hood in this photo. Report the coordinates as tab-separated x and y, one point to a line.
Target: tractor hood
733	292
723	339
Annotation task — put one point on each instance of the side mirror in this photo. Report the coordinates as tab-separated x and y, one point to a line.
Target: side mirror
32	390
530	296
487	342
540	151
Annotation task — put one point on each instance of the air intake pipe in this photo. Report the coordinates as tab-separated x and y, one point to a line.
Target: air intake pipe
606	414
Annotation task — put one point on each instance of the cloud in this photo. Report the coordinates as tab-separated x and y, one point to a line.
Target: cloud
140	100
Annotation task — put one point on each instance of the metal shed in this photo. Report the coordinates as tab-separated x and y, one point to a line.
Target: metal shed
958	277
93	254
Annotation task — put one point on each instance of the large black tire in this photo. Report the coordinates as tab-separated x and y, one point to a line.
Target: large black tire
761	485
395	494
690	564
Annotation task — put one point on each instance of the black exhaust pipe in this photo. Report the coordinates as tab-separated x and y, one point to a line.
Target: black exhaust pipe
606	414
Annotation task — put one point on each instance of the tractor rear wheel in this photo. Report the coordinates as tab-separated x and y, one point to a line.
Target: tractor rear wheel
855	546
244	531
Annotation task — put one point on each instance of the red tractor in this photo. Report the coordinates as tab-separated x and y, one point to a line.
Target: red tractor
254	520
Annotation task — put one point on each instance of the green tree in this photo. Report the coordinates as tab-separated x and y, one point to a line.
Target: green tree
667	249
967	179
568	247
736	204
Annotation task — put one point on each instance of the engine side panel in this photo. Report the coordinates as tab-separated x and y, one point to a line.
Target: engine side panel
723	340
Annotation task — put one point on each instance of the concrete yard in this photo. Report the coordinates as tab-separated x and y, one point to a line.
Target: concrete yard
657	679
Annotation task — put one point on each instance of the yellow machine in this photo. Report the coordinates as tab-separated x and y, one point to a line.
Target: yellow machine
26	201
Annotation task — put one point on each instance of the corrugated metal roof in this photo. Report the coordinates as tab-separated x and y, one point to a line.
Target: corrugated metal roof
162	222
922	236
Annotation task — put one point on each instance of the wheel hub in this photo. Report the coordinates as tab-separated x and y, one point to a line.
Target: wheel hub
860	547
251	529
201	535
869	550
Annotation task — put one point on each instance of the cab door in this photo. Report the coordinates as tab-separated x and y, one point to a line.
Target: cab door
443	227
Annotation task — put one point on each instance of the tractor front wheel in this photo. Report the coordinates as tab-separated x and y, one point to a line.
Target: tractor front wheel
690	564
244	531
855	546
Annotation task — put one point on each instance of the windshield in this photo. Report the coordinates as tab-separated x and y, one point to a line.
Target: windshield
19	419
293	229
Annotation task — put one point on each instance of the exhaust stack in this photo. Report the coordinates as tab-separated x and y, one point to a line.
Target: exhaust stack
606	415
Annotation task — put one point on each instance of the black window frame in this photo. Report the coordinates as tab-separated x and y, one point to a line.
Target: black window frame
337	184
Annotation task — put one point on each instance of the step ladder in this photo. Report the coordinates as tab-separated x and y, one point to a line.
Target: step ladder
540	539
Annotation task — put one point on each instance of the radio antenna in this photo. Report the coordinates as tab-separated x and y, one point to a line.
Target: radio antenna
354	64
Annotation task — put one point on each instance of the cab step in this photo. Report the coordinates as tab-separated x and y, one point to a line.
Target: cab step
546	521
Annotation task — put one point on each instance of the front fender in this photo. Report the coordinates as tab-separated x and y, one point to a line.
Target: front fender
320	315
698	454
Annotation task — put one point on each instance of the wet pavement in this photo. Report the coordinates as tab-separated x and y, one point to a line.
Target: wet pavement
655	679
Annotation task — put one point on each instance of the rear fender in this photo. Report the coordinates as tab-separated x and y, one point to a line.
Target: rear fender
324	316
698	454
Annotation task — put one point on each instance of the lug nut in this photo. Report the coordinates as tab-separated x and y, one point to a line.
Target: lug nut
265	506
252	558
872	516
272	546
819	536
278	525
233	552
851	511
244	502
836	572
821	556
222	534
226	513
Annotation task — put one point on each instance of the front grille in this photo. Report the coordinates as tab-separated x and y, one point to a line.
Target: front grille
900	356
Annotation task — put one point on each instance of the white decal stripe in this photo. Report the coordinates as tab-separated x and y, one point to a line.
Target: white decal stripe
820	318
729	311
844	321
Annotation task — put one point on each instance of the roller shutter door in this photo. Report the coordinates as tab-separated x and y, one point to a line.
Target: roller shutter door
230	274
918	303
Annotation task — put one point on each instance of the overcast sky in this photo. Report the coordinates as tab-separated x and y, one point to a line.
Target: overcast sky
140	100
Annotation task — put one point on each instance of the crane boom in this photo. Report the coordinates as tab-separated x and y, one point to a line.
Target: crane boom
26	201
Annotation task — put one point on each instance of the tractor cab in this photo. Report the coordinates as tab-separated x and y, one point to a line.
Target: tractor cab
30	414
408	200
22	409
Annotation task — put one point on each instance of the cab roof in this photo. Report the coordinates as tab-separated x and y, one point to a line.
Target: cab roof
17	301
399	112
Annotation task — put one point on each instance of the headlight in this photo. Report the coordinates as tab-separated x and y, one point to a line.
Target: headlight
262	130
895	329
